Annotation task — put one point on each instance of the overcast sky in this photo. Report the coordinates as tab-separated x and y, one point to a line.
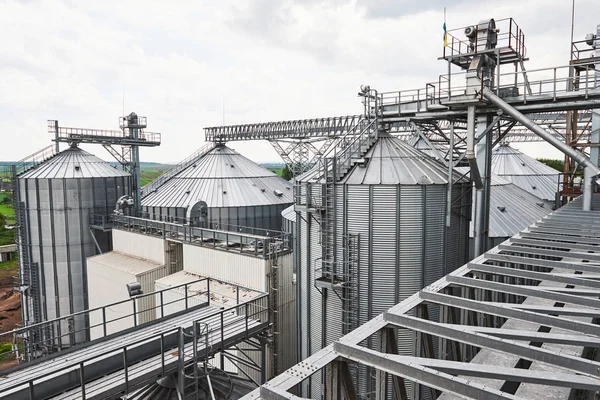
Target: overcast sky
182	62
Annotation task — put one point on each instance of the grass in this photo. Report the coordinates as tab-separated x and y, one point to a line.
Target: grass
9	266
278	171
148	175
7	210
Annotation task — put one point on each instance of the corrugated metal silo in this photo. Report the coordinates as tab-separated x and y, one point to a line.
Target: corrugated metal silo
391	235
525	172
236	190
58	196
512	209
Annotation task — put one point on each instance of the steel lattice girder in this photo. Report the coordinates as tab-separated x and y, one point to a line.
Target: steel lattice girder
565	302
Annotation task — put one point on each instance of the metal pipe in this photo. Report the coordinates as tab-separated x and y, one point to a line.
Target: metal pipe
591	169
478	238
450	176
510	110
588	184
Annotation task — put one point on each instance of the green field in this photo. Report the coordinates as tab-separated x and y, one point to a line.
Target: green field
148	175
6	209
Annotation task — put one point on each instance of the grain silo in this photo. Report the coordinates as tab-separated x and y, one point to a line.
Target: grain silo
512	209
387	237
525	172
234	190
57	198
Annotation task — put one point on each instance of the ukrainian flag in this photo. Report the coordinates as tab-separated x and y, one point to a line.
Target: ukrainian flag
445	36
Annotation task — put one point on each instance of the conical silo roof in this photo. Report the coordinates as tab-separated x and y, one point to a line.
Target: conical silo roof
512	209
73	163
391	161
222	178
525	172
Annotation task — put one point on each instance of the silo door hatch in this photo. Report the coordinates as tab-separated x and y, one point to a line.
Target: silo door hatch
326	282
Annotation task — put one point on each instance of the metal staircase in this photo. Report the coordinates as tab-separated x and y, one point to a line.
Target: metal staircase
158	182
333	273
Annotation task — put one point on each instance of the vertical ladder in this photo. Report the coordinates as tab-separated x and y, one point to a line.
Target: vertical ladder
350	290
274	307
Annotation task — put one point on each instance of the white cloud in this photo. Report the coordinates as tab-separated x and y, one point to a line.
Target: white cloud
265	60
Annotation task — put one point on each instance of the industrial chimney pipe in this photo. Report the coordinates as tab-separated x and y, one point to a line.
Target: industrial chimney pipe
590	170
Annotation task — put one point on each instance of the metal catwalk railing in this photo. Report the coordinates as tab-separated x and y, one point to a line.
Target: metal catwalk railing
191	160
53	336
153	346
259	244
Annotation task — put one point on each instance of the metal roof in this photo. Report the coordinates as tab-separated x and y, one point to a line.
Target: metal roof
391	161
125	262
222	178
512	209
73	163
518	322
289	214
527	173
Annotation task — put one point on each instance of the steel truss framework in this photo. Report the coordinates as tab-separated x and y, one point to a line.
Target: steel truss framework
130	138
521	316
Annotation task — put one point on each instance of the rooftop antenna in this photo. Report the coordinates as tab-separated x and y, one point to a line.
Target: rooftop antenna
572	29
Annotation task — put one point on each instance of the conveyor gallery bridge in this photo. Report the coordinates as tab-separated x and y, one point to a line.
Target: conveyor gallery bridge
114	362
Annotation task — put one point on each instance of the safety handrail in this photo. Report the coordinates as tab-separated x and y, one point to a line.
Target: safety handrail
190	160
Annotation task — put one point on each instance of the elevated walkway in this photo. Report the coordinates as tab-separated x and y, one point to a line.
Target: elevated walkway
117	364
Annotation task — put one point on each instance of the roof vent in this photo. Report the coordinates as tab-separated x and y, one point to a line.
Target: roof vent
262	190
287	187
540	204
533	187
523	164
278	193
502	208
77	167
232	166
194	166
187	192
224	191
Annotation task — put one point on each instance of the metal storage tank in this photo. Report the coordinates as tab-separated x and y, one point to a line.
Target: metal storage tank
512	209
390	224
58	196
236	191
525	172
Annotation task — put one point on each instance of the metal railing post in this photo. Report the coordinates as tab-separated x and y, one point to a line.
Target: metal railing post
104	320
208	291
162	305
186	296
82	380
162	354
125	370
134	313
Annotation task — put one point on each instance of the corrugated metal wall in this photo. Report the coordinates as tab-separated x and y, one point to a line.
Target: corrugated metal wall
107	285
140	245
227	266
264	216
57	219
403	247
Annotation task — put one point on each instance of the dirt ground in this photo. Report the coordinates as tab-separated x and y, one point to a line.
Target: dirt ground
10	305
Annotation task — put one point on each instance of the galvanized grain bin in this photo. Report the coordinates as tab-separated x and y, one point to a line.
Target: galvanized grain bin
236	191
391	235
58	196
525	172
